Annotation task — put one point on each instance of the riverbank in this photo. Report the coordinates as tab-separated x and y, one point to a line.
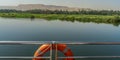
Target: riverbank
67	17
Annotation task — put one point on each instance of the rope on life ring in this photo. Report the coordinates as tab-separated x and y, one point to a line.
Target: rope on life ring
47	47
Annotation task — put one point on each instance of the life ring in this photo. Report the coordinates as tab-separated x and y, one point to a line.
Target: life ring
47	47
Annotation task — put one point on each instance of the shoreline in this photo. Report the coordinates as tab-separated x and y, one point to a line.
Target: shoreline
67	17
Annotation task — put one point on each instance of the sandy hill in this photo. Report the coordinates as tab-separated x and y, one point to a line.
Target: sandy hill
41	6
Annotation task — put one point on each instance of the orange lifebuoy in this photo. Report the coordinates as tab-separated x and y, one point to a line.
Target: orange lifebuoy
47	47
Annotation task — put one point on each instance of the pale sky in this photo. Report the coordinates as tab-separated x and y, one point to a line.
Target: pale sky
94	4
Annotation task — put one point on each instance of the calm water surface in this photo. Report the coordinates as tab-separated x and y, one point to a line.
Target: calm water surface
56	30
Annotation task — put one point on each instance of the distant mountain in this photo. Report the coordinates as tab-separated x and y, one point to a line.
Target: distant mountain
24	7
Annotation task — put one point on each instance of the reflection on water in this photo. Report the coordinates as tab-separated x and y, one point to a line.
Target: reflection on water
113	22
57	30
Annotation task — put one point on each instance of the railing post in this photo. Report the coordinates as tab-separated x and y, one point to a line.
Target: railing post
51	52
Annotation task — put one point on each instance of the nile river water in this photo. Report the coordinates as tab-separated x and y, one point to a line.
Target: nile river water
14	29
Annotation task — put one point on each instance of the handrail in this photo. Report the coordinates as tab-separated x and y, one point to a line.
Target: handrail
85	57
23	42
22	57
55	42
47	57
93	43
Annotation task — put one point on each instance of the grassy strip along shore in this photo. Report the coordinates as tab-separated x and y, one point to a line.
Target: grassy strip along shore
67	17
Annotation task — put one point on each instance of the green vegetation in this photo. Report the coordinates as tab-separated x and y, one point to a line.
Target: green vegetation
79	12
103	16
110	19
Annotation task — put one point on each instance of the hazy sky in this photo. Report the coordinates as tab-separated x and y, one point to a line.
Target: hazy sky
96	4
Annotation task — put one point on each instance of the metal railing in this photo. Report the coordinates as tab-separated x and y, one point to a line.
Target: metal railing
55	42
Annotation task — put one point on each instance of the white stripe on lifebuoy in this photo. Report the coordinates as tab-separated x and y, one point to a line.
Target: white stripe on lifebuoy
65	50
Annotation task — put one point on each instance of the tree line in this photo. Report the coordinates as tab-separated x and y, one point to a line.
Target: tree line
86	12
